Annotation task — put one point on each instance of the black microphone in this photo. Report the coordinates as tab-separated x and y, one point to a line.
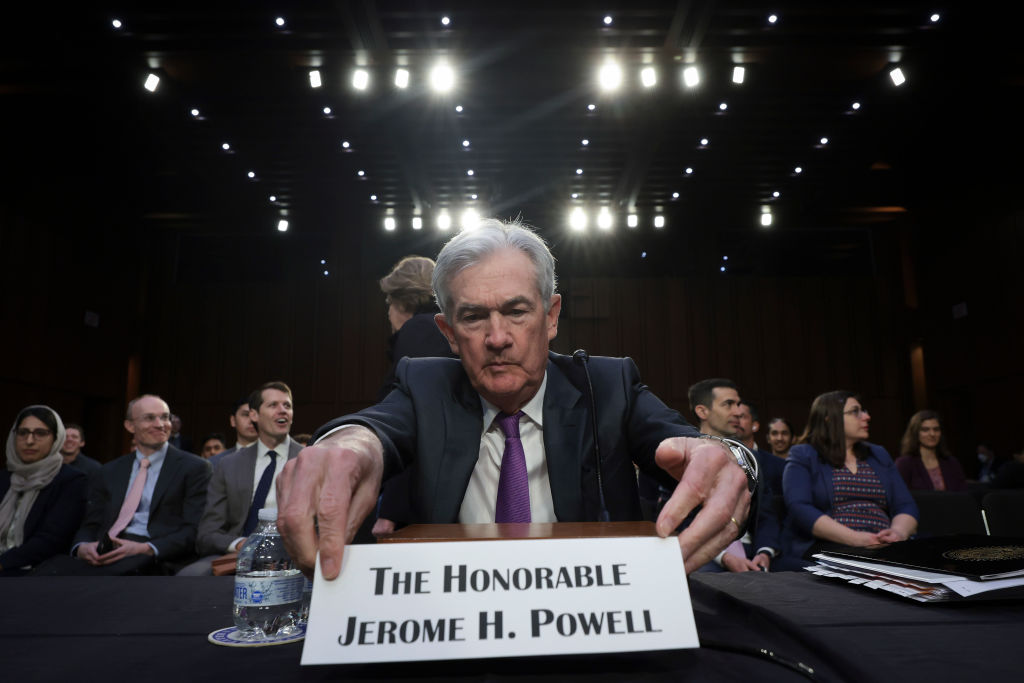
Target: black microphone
583	358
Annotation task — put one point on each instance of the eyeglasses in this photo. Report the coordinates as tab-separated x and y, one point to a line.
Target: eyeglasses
856	412
38	433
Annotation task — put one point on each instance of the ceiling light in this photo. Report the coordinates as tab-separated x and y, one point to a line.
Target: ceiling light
610	75
327	111
273	198
855	106
897	76
659	221
584	142
725	258
360	79
575	195
632	220
323	262
772	18
442	78
607	20
775	194
721	269
282	225
675	195
116	23
689	170
691	77
361	173
579	171
648	76
373	197
314	79
326	273
465	143
604	218
401	78
469	172
417	223
251	174
578	220
345	144
704	142
389	223
935	19
458	108
279	21
152	81
591	107
738	72
766	219
225	146
470	219
473	197
798	170
824	141
444	221
722	106
445	20
195	113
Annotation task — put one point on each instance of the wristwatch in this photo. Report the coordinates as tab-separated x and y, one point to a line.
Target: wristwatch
744	458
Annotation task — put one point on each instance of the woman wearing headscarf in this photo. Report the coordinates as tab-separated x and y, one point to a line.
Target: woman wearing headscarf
42	500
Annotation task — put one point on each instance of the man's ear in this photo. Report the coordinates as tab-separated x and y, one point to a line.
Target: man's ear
551	316
702	411
447	331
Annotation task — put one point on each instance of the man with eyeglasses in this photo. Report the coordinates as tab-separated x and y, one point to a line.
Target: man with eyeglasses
144	507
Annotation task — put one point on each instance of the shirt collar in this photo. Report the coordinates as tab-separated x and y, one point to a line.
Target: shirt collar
534	408
262	448
156	458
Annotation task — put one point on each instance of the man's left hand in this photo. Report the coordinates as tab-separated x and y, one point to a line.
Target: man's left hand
708	476
762	561
124	548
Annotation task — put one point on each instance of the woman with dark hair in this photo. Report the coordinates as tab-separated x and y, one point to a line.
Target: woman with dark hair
840	489
925	462
42	500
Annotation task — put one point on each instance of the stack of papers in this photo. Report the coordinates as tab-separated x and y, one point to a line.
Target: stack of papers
937	569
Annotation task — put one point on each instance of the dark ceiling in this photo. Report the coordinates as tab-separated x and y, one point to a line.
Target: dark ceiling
71	87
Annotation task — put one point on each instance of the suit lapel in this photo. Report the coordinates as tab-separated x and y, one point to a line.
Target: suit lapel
460	449
565	426
168	471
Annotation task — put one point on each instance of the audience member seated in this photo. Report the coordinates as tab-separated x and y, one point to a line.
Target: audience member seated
780	438
71	451
302	439
716	403
143	507
1011	475
925	462
212	445
414	334
245	429
770	467
43	499
177	439
840	489
988	464
243	482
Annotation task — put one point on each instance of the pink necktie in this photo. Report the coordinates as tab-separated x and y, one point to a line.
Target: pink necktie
131	501
513	504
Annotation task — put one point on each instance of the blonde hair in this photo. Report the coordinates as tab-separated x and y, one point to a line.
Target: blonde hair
407	286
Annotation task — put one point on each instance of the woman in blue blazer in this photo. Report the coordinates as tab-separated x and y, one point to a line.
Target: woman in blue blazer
840	489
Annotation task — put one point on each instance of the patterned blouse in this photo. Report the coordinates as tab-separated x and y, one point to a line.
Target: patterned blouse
860	501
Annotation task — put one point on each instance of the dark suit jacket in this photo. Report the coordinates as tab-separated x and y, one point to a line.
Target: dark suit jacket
434	418
228	499
177	506
51	522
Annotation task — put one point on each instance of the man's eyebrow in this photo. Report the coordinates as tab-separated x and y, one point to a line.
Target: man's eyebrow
508	303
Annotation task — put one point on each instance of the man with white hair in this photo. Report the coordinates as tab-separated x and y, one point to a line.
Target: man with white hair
506	433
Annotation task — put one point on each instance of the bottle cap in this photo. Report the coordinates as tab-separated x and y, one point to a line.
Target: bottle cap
267	514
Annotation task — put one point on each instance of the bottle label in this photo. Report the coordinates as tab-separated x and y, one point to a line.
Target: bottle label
267	591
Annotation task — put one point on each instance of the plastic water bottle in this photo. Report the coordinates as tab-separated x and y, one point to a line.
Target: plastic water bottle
307	597
268	587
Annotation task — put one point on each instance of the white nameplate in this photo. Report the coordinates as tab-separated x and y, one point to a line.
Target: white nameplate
421	601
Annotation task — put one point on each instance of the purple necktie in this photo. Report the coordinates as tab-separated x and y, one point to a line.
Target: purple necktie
513	484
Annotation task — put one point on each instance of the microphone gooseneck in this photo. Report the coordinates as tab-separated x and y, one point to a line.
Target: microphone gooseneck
583	358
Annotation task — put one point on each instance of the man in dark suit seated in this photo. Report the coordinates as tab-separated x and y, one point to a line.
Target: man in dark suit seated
506	434
143	507
243	482
245	429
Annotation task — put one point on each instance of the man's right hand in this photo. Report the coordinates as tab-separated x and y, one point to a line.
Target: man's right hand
325	493
87	552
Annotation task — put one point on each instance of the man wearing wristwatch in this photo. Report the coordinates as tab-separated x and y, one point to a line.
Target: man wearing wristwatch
716	403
